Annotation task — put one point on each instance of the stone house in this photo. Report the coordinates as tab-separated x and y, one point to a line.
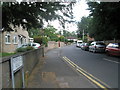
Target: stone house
10	41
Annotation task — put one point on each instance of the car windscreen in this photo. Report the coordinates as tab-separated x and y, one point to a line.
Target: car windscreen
100	43
116	45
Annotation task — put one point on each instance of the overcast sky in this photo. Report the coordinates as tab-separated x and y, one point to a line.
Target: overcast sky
79	10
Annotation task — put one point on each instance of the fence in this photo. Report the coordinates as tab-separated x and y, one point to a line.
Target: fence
30	59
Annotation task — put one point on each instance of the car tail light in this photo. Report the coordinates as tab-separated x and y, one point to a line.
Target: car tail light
39	47
95	46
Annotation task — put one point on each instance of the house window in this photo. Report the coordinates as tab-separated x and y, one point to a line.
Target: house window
7	39
15	39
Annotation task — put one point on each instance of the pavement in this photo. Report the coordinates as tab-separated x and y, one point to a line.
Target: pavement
53	72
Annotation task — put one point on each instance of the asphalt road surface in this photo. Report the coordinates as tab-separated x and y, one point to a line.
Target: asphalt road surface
99	65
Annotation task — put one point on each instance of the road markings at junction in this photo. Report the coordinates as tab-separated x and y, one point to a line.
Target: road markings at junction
110	60
89	76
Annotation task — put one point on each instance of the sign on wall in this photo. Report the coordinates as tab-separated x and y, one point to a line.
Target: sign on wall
17	64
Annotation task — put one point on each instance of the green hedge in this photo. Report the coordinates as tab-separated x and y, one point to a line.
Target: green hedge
24	49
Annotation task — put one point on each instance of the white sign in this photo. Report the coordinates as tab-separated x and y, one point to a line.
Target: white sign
17	62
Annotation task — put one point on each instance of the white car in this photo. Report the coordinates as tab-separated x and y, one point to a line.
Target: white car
35	45
79	42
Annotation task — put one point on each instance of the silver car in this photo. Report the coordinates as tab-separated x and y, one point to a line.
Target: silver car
97	46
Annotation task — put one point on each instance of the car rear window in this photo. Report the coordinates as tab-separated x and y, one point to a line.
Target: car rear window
116	45
100	43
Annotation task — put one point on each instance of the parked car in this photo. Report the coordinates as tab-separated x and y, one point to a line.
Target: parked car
113	49
78	43
97	46
35	45
85	46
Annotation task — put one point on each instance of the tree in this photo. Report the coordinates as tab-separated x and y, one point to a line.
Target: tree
50	32
32	14
105	22
83	26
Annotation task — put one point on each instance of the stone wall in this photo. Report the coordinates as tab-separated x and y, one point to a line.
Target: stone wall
30	59
53	44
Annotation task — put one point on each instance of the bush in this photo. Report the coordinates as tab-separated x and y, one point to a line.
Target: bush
45	41
21	49
41	40
24	49
38	39
29	48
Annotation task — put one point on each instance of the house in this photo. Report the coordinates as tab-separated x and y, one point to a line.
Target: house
10	41
89	38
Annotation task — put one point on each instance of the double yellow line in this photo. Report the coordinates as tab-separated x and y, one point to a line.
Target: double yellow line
87	75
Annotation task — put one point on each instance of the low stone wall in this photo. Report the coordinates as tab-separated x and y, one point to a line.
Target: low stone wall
53	44
111	41
30	59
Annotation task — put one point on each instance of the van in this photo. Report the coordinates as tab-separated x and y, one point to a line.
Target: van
79	42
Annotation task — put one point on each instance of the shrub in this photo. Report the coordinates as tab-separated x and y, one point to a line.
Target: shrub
21	49
24	49
41	40
38	39
29	48
45	41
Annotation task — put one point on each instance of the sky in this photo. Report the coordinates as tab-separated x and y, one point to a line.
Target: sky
79	10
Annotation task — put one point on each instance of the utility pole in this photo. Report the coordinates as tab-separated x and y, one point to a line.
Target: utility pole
83	34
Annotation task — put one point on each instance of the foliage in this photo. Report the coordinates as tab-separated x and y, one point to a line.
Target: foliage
50	32
69	34
34	32
45	41
24	49
41	39
62	38
32	14
83	26
38	39
6	54
105	21
29	48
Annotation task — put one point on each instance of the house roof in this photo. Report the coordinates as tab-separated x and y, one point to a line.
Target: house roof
71	38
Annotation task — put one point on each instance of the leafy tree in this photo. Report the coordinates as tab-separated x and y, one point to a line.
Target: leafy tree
83	26
34	32
69	34
32	14
50	32
105	22
62	38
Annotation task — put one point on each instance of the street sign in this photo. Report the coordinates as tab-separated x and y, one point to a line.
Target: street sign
17	64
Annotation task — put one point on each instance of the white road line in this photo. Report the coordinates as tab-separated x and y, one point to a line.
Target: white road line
110	60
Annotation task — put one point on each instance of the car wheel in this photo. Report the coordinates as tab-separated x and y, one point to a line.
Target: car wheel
107	52
94	51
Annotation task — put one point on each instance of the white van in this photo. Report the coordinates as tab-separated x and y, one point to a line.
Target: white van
78	43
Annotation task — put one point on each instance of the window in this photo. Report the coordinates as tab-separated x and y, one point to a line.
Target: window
15	39
7	39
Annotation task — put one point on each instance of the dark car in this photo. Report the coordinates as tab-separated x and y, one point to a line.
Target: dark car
113	49
85	46
97	46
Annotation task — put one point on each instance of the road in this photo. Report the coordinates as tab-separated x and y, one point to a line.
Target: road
99	65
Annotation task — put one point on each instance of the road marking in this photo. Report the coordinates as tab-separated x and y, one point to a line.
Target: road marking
110	60
95	80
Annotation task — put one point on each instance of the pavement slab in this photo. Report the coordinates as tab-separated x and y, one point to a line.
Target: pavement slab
53	72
